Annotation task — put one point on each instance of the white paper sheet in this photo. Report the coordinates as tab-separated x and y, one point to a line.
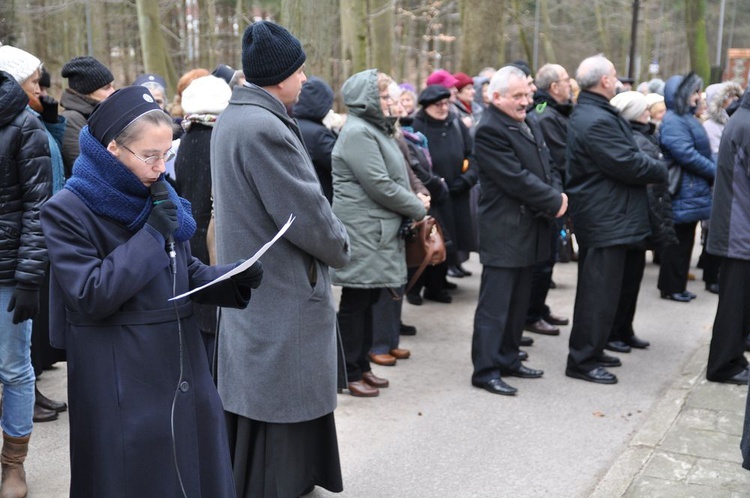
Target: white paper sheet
247	264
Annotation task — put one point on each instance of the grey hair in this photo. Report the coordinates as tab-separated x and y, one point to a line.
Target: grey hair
152	85
591	70
546	75
501	80
134	130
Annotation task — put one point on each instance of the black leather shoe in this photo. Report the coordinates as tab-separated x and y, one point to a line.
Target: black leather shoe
553	319
637	342
526	373
552	284
599	375
463	270
447	285
440	297
690	294
523	355
497	386
542	327
617	347
454	272
49	404
407	329
680	297
712	288
606	360
526	341
740	379
414	299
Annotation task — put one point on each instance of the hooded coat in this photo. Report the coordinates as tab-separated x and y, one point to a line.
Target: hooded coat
315	101
25	184
730	216
277	359
371	189
717	114
684	142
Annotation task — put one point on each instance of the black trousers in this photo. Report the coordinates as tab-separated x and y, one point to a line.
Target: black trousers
386	326
635	264
726	357
600	274
498	321
540	281
355	323
675	260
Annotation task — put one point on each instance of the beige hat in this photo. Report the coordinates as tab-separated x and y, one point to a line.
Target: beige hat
18	63
630	104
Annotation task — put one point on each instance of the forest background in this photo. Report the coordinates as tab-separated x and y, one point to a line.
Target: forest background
406	38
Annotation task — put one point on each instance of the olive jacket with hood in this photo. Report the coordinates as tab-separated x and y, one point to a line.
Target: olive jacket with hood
684	142
371	193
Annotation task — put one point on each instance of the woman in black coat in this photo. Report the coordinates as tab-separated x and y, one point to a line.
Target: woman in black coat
145	417
633	107
450	145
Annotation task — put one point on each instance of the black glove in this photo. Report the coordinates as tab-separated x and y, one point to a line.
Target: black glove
458	185
49	109
163	218
24	303
250	277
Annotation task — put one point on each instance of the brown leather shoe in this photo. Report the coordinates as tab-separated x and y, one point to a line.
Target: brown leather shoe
400	354
41	414
374	380
362	390
542	327
384	360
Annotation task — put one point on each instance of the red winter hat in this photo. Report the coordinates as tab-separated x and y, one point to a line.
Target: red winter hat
442	77
463	79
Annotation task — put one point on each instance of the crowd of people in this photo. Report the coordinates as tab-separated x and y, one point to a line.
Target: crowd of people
114	201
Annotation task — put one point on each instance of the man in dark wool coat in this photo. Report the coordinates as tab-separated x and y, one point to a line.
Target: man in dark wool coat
521	194
607	178
277	366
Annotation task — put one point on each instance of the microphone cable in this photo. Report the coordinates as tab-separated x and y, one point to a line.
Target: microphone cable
173	269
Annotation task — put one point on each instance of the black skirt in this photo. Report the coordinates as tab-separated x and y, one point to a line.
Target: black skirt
283	460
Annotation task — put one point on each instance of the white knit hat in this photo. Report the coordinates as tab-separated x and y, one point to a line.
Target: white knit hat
18	63
206	95
630	104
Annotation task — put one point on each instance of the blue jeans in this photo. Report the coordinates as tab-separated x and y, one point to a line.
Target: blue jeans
16	372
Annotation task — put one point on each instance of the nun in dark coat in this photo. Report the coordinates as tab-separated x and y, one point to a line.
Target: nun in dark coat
145	416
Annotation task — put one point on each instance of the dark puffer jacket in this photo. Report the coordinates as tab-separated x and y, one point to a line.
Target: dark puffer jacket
78	108
684	141
25	184
315	100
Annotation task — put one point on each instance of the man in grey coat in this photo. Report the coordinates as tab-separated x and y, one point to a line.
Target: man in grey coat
277	363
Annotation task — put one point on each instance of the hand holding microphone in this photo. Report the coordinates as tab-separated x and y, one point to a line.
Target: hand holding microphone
163	217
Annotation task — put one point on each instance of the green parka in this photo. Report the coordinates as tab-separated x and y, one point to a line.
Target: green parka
371	193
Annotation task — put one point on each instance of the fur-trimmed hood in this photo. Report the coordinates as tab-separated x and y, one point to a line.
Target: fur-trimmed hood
717	98
677	92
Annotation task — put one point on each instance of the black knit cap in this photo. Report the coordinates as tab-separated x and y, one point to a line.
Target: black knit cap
86	74
432	94
270	53
112	115
224	72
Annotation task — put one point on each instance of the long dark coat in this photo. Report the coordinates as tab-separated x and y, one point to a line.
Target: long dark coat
109	287
450	143
520	192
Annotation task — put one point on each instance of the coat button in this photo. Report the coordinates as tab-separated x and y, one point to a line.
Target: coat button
184	386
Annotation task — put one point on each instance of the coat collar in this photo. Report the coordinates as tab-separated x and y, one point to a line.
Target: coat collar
509	122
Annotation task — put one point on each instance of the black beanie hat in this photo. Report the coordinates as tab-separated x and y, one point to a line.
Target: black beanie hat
270	53
224	72
432	94
112	115
86	74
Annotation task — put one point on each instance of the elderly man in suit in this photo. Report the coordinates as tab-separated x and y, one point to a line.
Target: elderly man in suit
521	195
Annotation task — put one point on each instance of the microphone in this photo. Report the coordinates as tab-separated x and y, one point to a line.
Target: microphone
159	194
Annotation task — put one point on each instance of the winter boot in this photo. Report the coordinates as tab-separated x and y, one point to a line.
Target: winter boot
12	458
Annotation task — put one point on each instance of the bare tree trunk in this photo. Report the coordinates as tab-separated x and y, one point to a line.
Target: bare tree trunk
527	48
207	42
546	35
482	34
316	23
380	31
354	34
602	30
156	59
695	23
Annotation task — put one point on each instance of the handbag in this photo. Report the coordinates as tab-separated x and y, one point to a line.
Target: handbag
674	173
425	246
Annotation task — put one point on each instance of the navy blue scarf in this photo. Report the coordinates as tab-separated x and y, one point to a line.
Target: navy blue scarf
111	190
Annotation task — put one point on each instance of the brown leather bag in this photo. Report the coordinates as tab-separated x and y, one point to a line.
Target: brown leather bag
425	247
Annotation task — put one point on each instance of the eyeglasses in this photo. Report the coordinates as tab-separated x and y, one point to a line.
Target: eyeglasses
152	160
442	103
